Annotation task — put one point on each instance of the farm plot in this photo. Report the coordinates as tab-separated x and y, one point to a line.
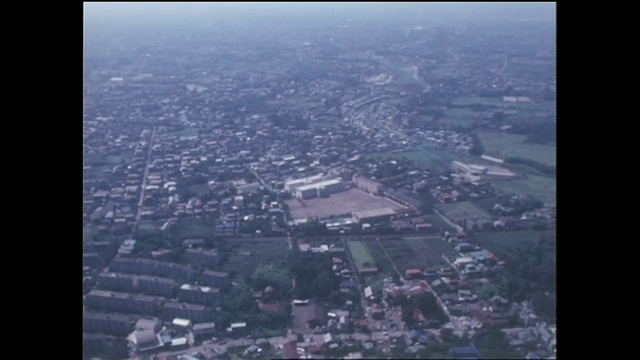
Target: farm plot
420	253
382	261
431	251
403	256
462	211
361	255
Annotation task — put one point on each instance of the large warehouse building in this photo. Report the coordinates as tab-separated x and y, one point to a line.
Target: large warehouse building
373	215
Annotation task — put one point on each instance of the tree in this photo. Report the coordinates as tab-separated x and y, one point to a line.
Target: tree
272	275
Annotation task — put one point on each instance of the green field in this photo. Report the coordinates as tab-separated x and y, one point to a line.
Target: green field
461	211
501	243
361	255
96	160
502	145
381	260
426	158
539	187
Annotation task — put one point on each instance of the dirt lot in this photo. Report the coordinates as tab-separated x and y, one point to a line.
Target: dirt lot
342	203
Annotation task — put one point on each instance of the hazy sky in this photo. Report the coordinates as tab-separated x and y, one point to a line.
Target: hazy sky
245	10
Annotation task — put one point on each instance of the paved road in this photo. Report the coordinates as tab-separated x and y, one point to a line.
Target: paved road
144	183
506	62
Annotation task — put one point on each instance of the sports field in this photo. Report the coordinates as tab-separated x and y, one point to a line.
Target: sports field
342	203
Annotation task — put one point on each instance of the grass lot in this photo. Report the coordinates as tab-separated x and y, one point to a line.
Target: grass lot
426	158
361	254
488	203
502	145
539	187
501	243
462	211
192	228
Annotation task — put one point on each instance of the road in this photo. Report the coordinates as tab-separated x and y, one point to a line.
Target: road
506	62
144	182
426	86
279	341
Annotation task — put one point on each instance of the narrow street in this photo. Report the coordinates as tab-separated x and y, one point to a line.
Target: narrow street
144	183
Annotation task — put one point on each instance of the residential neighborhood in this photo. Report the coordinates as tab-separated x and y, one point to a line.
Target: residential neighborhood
357	188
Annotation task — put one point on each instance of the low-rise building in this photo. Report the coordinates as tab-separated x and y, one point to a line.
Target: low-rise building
202	295
216	279
204	331
111	324
122	302
195	313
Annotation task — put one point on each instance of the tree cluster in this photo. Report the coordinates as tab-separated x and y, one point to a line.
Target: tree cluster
545	169
313	275
476	148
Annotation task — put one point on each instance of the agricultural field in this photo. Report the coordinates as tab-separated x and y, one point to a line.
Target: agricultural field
246	255
361	255
500	243
418	252
502	145
539	187
381	260
461	211
384	265
431	250
401	253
